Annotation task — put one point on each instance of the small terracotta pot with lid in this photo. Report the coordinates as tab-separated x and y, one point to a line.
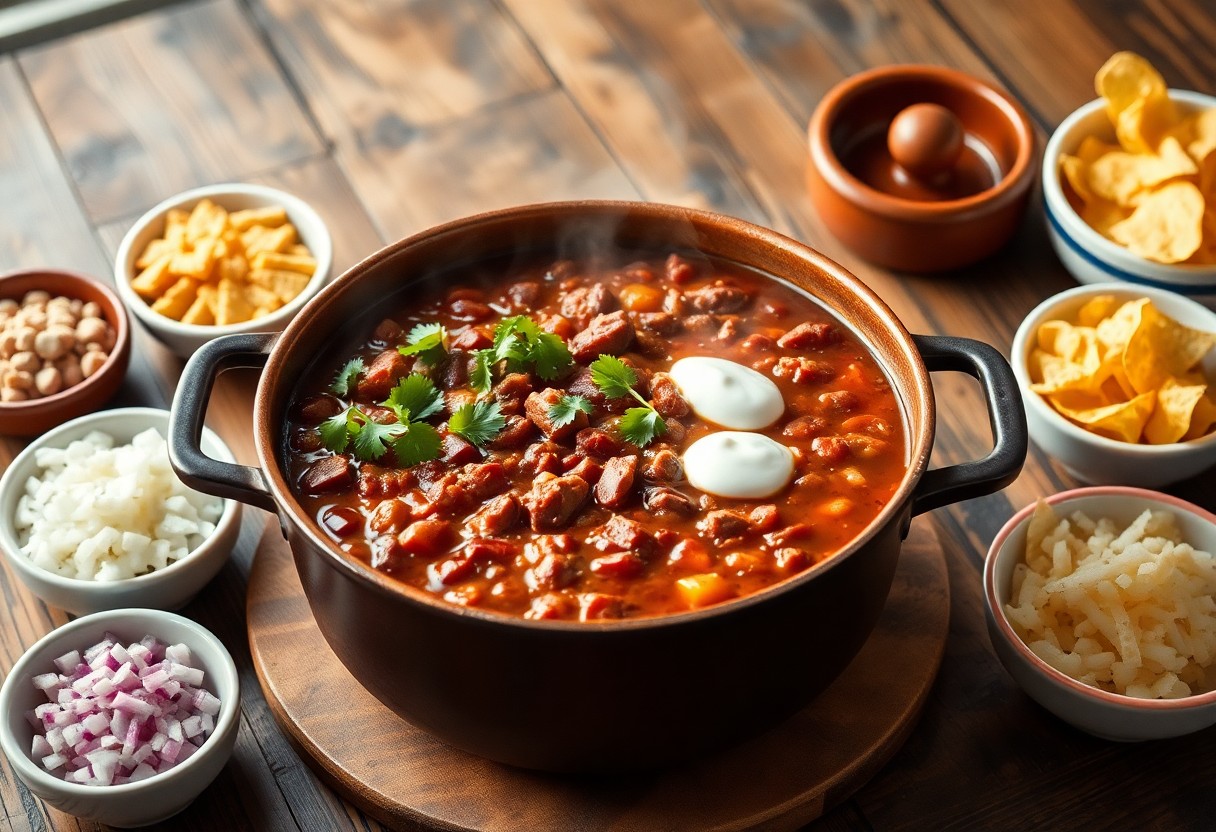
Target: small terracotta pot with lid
920	168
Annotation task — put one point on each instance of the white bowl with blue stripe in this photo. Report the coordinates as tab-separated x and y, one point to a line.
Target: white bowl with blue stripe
1090	257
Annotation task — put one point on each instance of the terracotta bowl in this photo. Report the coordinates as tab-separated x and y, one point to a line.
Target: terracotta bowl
35	416
907	234
602	695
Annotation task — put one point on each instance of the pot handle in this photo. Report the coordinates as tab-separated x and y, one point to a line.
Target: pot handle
953	483
196	469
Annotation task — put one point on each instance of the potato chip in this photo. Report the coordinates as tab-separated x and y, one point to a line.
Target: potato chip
1160	145
1162	349
1166	226
1172	416
1094	311
1203	418
1124	421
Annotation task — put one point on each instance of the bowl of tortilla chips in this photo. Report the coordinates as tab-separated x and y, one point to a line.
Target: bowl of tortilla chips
1129	183
1119	383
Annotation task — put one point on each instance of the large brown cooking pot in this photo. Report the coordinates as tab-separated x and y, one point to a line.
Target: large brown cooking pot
604	695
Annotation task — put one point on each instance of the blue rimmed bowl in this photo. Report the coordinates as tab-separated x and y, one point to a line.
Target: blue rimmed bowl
1090	257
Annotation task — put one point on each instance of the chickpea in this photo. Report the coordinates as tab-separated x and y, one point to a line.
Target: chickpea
69	371
25	339
92	309
90	330
48	381
58	302
26	362
18	380
9	306
35	318
76	306
61	316
37	297
8	344
91	362
54	342
12	394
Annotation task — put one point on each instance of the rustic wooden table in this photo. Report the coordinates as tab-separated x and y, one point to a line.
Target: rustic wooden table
393	116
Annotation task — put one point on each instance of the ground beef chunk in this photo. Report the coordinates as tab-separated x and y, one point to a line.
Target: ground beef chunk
663	500
621	565
598	442
456	450
764	518
518	432
549	607
386	370
649	344
537	406
331	473
808	336
662	466
831	449
701	322
471	339
470	310
665	396
587	469
616	483
428	473
729	330
511	392
316	409
802	370
724	524
585	303
390	516
661	323
553	571
524	294
541	457
453	400
608	334
496	517
757	343
388	331
717	299
679	270
594	606
620	534
675	431
375	481
473	484
553	501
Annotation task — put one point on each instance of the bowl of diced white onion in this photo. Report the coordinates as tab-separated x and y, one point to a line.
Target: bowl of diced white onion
92	516
122	717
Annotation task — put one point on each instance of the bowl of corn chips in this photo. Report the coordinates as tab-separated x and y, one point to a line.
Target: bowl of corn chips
1119	383
1129	183
1099	603
222	260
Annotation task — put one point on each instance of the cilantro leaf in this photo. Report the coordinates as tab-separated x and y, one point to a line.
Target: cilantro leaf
564	411
640	425
336	430
427	341
372	439
482	378
414	398
418	444
613	376
550	354
347	376
478	422
507	343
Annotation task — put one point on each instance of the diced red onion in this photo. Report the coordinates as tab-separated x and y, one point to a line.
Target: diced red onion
121	714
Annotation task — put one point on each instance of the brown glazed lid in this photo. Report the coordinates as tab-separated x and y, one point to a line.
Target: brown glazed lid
920	168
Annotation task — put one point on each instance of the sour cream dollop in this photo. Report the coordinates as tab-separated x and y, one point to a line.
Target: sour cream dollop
728	394
738	464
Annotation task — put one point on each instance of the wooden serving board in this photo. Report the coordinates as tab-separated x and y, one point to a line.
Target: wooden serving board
780	780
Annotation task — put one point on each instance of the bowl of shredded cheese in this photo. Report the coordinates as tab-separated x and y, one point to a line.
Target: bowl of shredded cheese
1101	604
92	516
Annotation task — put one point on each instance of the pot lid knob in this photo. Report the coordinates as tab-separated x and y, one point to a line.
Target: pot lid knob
925	140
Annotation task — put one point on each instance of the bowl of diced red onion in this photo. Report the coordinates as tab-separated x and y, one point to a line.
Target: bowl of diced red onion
121	717
92	516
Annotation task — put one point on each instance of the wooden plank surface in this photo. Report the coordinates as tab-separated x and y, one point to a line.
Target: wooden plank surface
392	115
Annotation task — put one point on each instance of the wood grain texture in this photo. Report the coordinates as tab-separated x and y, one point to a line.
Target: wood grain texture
780	780
151	106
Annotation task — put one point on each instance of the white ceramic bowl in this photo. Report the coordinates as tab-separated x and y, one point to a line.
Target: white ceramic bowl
1103	714
130	804
1090	257
168	588
1087	456
182	338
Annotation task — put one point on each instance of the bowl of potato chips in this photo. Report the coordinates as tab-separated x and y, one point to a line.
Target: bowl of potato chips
1100	606
222	260
1129	182
1119	383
